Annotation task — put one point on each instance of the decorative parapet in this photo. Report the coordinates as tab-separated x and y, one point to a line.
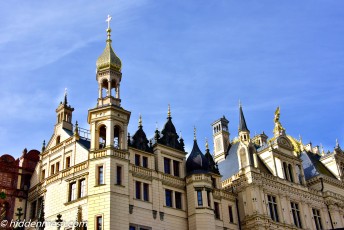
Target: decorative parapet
172	180
140	171
109	152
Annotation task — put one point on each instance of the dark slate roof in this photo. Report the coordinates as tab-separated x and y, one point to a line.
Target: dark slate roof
196	162
169	136
213	167
140	141
85	143
82	141
230	165
242	122
313	167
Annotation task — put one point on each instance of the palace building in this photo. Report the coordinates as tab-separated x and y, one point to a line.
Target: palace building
116	181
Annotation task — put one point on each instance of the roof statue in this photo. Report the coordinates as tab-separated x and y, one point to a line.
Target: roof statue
278	130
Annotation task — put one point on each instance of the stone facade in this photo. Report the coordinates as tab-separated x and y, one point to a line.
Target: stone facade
116	181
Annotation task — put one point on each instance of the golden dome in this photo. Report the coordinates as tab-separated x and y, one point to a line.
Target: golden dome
108	59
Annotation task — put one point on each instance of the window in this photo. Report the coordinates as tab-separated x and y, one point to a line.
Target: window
167	165
52	169
317	219
137	160
230	212
213	180
273	208
285	170
208	199
33	210
145	192
82	185
58	140
199	198
178	199
67	162
168	197
57	166
299	175
296	214
138	189
176	168
119	175
72	191
217	210
290	169
43	174
145	162
100	175
99	223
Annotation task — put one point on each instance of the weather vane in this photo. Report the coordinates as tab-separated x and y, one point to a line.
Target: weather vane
108	20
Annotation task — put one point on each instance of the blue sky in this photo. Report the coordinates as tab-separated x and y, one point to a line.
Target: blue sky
199	56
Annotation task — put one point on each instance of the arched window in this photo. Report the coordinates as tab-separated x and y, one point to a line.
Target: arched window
58	140
117	140
102	137
105	88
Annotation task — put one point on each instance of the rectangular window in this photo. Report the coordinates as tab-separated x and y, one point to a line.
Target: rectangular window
167	165
178	199
72	191
100	175
137	160
199	198
67	162
138	189
208	199
145	162
213	181
52	170
82	186
317	219
99	223
176	168
217	210
296	214
273	208
33	210
57	167
230	212
43	174
145	192
168	197
119	175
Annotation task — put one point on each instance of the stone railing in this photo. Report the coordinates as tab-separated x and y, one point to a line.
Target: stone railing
172	180
140	170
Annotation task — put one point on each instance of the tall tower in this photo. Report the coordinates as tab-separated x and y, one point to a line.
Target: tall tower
109	155
220	138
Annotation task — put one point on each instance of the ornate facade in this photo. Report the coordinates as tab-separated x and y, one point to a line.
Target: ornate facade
116	181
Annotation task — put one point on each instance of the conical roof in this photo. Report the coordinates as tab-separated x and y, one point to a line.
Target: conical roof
242	122
196	162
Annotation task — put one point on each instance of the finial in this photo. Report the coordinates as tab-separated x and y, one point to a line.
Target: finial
140	121
108	30
169	111
76	129
322	150
43	146
300	138
156	125
180	134
206	144
240	103
337	144
65	96
195	133
108	20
